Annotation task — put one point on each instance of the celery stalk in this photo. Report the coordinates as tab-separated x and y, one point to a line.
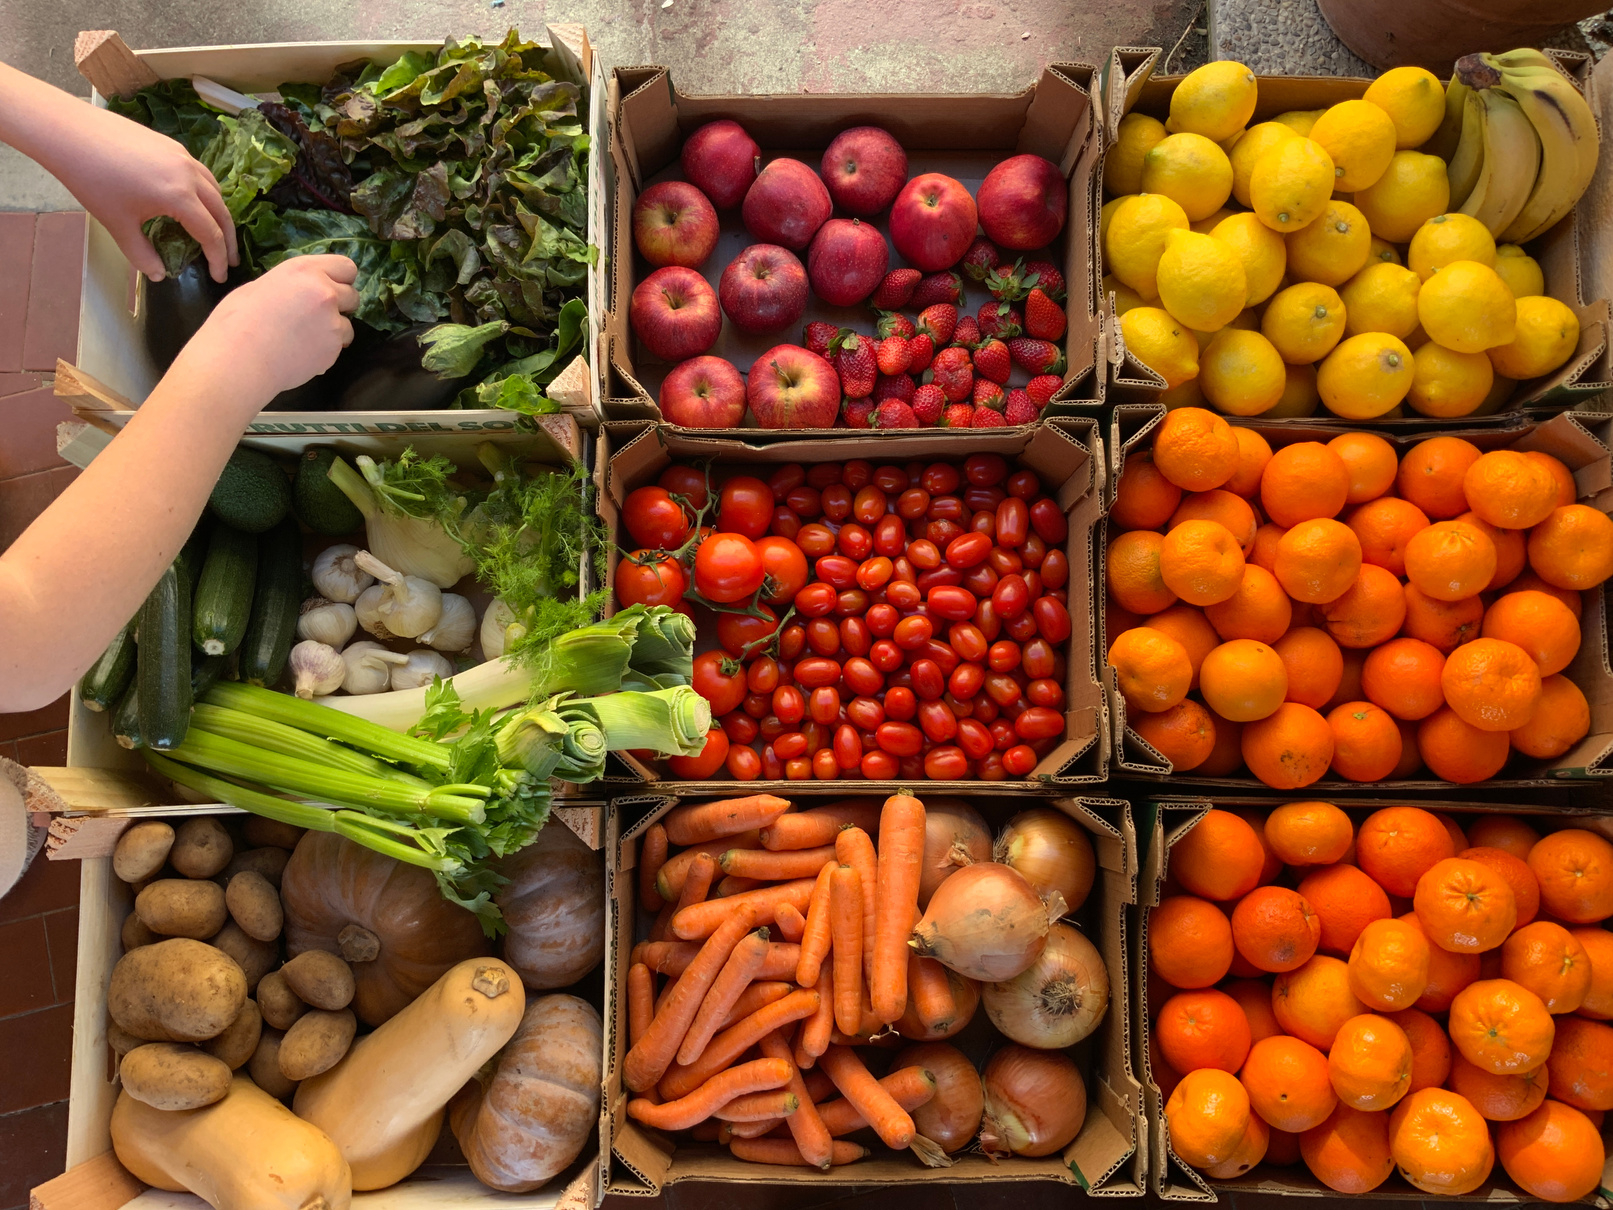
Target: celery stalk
289	741
336	724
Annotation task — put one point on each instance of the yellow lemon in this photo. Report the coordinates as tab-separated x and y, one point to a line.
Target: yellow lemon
1205	226
1299	397
1182	395
1360	138
1246	153
1413	98
1161	343
1240	373
1216	100
1519	270
1136	237
1381	298
1261	251
1191	171
1291	184
1227	144
1547	335
1412	190
1467	307
1447	383
1304	322
1106	214
1125	297
1383	250
1200	280
1123	165
1501	390
1365	376
1300	121
1446	238
1332	248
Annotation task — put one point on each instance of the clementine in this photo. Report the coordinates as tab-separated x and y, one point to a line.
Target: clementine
1525	890
1349	1153
1314	665
1288	749
1132	572
1318	560
1511	555
1389	965
1548	960
1383	527
1509	489
1411	760
1573	547
1222	507
1448	973
1502	1098
1440	1143
1561	719
1271	865
1443	625
1369	613
1203	1028
1220	858
1287	1083
1505	832
1457	751
1258	610
1183	735
1254	451
1371	462
1554	1153
1430	1048
1542	625
1315	1000
1304	481
1264	551
1491	684
1243	680
1200	562
1189	942
1575	870
1402	676
1398	845
1366	741
1501	1026
1246	1155
1254	997
1464	906
1567	489
1347	901
1144	498
1582	1064
1207	1114
1529	581
1151	669
1598	945
1369	1062
1226	757
1309	833
1282	1149
1450	560
1275	929
1431	475
1195	449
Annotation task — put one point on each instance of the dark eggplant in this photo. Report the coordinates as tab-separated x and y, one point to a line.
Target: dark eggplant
376	373
176	306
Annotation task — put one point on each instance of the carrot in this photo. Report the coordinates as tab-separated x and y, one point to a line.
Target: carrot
856	849
846	929
759	1075
815	1033
819	1086
697	884
819	826
758	995
784	1151
726	817
776	867
640	1000
889	1120
800	1057
663	922
805	1126
673	958
735	976
670	880
651	857
703	919
728	1046
735	886
761	1106
649	1057
791	924
901	863
664	994
815	941
929	993
909	1088
753	1130
707	1131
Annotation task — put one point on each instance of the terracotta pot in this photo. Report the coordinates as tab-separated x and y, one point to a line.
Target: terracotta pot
1435	33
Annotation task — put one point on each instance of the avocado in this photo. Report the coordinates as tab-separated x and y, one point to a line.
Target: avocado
252	494
319	503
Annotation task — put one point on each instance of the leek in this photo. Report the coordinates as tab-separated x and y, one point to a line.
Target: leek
554	740
673	722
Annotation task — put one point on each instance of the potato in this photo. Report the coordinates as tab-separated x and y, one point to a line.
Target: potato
142	850
235	1045
320	979
201	847
260	831
255	905
316	1043
135	933
264	1066
121	1040
177	990
170	1075
269	862
279	1004
178	907
255	958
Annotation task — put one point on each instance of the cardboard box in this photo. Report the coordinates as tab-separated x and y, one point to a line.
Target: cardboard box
1570	254
1569	437
1106	1159
1067	455
963	136
1161	823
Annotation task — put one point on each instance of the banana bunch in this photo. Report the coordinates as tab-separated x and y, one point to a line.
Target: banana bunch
1519	141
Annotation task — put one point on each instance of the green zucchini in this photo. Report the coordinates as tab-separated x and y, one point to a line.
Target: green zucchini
272	628
110	675
205	672
162	666
222	604
126	719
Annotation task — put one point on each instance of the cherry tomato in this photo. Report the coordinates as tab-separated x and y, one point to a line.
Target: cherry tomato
815	600
855	637
711	758
836	570
786	479
784	569
985	709
900	704
772	764
991	768
957	604
1045	691
984	522
942	575
1021	628
789	704
1019	760
823	474
857	474
865	712
1034	550
1033	582
899	739
966	680
862	677
885	655
837	502
942	532
735	631
743	764
851	601
1055	570
686	481
940	477
740	728
892	480
984	500
762	675
1001	688
757	705
791	643
937	721
924	554
1013	522
902	569
814	671
720	680
799	769
882	618
1038	658
939	654
656	582
962	707
1003	735
727	568
1039	722
823	705
790	745
1003	656
654	519
823	637
847	748
745	506
890	536
984	470
1023	484
973	738
806	501
967	550
966	639
825	767
879	766
947	508
913	632
868	506
902	595
785	524
947	763
1011	597
1049	522
1052	619
1004	562
928	682
771	727
912	504
981	580
989	621
815	540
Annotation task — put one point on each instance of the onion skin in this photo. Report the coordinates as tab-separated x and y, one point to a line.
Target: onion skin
951	1119
1036	1102
1052	851
954	836
965	993
1059	999
985	922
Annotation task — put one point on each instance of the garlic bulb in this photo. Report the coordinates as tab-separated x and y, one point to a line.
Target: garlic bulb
420	668
329	622
455	628
337	576
317	667
496	622
408	605
369	667
367	612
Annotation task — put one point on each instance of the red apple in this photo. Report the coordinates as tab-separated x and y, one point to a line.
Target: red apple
764	289
1023	202
703	393
675	313
933	222
793	388
720	158
847	261
864	169
786	204
674	224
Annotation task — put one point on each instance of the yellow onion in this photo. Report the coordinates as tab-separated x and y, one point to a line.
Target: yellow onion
965	999
985	922
1035	1100
1059	999
1053	853
954	836
951	1118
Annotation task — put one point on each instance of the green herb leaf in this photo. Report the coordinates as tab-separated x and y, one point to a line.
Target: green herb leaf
452	350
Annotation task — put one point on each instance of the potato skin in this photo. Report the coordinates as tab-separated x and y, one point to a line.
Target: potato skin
142	850
267	861
121	1040
235	1045
179	907
135	933
279	1004
261	831
201	847
170	1075
254	904
264	1065
321	979
177	990
255	958
316	1043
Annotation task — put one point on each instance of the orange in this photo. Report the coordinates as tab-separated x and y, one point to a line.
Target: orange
1309	833
1259	609
1371	463
1464	906
1430	1048
1548	960
1204	1028
1575	871
1448	973
1529	581
1254	997
1189	627
1567	489
1561	719
1314	665
1347	901
1369	613
1304	481
1132	572
1411	760
1220	858
1511	555
1318	560
1366	741
1491	684
1444	625
1402	676
1246	1155
1450	560
1502	1027
1243	680
1398	845
1542	625
1369	1062
1290	748
1384	526
1222	507
1287	1083
1555	1153
1275	929
1499	1098
1183	735
1272	865
1598	946
1151	669
1505	832
1226	756
1200	562
1389	965
1282	1149
1509	489
1254	451
1207	1114
1518	876
1457	751
1431	475
1189	942
1195	449
1349	1153
1315	1000
1582	1064
1144	498
1264	551
1458	837
1440	1143
1573	547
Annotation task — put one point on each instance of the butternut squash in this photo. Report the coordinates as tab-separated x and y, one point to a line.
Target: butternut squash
244	1152
554	905
382	1105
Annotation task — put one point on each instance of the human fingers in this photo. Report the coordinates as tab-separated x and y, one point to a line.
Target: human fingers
337	267
347	332
134	245
207	189
195	218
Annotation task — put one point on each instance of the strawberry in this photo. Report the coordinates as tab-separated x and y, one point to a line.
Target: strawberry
896	289
893	323
894	355
1042	388
928	403
853	358
858	412
944	287
957	416
939	321
1004	282
986	418
1044	276
953	372
893	414
818	336
1000	320
1018	408
967	333
981	258
1036	357
923	350
992	361
1044	318
899	386
987	394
